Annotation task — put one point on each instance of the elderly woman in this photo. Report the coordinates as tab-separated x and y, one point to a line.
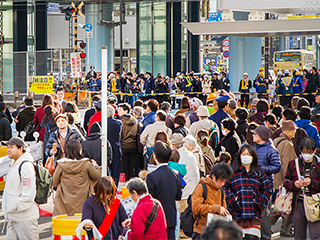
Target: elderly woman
141	228
104	210
73	179
304	186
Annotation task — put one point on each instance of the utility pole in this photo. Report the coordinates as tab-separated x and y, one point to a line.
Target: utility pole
1	47
122	21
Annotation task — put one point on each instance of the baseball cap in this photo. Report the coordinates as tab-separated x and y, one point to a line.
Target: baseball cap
263	132
223	98
14	141
61	115
98	104
246	74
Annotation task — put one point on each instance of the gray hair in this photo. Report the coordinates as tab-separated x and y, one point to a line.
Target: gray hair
110	111
138	110
138	185
190	140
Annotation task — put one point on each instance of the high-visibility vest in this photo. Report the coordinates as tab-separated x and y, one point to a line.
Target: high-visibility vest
244	84
114	85
189	81
286	81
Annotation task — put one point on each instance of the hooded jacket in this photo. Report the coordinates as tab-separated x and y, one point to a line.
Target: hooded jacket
211	205
74	180
258	118
311	130
268	159
148	136
18	197
5	128
129	131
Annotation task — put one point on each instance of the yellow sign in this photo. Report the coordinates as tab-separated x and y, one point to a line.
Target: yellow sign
42	85
309	47
302	16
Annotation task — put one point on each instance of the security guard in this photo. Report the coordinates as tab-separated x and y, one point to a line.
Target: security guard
114	84
215	82
149	84
255	83
261	85
186	82
225	82
286	84
297	83
244	88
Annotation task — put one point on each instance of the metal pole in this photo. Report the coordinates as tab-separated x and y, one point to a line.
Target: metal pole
75	30
61	70
121	47
104	136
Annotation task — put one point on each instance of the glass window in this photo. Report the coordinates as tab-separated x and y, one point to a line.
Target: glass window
287	56
145	37
160	35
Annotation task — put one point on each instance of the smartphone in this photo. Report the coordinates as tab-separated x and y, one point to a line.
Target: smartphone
54	146
302	178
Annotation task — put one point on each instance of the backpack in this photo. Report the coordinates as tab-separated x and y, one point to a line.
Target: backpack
81	130
213	138
30	128
43	183
208	163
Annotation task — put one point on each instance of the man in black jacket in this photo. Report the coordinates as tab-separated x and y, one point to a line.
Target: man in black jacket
5	128
26	116
8	114
164	184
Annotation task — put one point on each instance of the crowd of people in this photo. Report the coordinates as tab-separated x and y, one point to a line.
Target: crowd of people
227	164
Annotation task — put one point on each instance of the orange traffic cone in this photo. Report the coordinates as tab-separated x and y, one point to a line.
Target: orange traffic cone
121	184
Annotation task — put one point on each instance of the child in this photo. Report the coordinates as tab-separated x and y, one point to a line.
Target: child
174	165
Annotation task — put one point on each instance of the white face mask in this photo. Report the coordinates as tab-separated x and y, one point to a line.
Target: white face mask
224	132
246	159
307	156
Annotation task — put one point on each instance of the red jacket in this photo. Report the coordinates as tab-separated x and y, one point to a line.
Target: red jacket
95	118
38	116
157	230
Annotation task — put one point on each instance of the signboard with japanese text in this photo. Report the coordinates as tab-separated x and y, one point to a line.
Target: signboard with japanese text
41	84
75	64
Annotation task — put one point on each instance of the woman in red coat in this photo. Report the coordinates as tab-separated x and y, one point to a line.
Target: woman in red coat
38	116
146	205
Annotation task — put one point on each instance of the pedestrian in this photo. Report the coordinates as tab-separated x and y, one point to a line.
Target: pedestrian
317	100
231	141
244	88
18	205
59	94
185	105
313	84
225	82
137	112
305	123
222	230
253	109
113	135
128	137
60	137
164	184
5	128
179	122
286	85
165	106
286	151
152	108
8	114
261	86
39	114
73	179
309	169
246	206
269	162
242	123
140	228
221	114
149	84
203	142
90	112
96	117
262	111
25	117
270	121
104	210
95	84
192	117
215	203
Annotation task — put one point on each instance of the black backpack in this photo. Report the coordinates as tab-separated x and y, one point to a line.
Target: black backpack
30	128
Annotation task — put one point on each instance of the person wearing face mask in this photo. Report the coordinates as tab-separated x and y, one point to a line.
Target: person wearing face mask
231	142
307	184
248	193
287	153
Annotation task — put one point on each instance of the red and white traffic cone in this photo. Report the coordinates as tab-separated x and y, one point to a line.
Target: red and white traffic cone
121	184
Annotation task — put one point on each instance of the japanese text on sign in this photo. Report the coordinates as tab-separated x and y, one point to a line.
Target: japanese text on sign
75	65
42	85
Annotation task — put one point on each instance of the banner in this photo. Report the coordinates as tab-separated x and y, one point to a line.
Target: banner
42	85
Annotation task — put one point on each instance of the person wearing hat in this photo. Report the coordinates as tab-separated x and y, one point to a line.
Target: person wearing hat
269	162
161	86
186	82
97	116
261	85
305	123
215	83
286	85
95	84
221	114
61	136
317	100
225	82
297	85
253	109
18	205
244	88
90	112
313	83
113	84
191	115
287	153
149	84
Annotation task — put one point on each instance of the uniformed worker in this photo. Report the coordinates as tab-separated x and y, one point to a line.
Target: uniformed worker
286	84
261	86
297	85
244	88
186	82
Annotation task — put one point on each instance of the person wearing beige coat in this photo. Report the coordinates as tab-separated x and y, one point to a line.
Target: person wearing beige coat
74	180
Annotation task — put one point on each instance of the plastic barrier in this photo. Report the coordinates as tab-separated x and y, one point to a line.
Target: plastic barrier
3	152
64	227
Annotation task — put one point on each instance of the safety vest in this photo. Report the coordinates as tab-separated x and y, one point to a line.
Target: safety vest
189	81
261	83
286	81
244	84
295	82
114	85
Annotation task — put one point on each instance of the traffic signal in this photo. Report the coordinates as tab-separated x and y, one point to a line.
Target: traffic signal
82	55
83	45
68	12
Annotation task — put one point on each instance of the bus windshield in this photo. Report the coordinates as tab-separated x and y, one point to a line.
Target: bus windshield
287	56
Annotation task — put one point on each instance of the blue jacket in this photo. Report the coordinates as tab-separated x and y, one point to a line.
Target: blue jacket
149	119
217	117
286	81
96	212
268	159
310	129
95	88
113	135
149	85
187	84
297	85
261	85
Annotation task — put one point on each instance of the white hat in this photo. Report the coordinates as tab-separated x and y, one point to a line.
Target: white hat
196	102
203	111
246	74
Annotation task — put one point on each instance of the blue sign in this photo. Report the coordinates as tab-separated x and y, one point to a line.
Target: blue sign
215	17
88	27
53	7
291	42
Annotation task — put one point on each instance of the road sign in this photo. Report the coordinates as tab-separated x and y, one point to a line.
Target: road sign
225	43
214	17
75	65
88	27
88	34
225	54
77	9
210	61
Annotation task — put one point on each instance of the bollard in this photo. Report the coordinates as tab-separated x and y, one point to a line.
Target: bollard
64	227
89	99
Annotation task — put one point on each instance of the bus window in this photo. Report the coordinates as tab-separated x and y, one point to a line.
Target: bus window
287	56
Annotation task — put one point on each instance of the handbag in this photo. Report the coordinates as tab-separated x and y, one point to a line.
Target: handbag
283	202
311	203
50	165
